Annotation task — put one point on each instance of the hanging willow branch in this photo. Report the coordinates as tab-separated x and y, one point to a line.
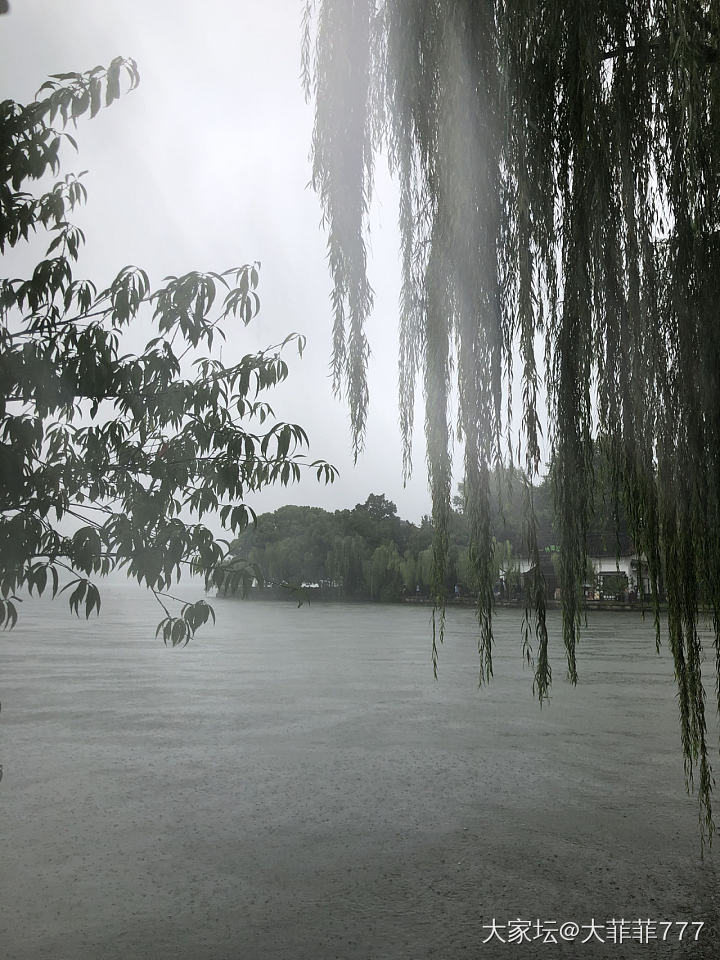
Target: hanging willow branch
559	169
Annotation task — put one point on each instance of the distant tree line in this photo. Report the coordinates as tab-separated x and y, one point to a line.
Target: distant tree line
370	553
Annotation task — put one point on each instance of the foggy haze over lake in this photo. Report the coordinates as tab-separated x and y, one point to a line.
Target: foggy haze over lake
295	784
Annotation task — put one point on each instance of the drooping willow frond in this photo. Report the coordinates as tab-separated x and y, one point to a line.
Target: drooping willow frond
559	169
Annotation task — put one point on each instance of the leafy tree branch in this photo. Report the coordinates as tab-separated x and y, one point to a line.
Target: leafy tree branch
131	437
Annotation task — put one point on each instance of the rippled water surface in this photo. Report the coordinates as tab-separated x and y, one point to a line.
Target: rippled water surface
294	784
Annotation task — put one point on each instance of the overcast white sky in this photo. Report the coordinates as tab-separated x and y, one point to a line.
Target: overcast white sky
205	166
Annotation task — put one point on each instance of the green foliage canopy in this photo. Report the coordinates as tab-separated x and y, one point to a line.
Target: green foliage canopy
122	446
364	553
559	168
369	553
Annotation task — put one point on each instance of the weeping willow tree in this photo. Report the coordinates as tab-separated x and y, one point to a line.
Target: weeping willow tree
558	168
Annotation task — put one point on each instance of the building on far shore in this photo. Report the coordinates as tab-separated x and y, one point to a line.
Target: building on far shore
610	572
610	577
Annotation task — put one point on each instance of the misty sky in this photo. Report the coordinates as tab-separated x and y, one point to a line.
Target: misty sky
205	166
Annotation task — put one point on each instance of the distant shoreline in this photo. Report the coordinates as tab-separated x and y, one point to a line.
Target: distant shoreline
636	606
306	595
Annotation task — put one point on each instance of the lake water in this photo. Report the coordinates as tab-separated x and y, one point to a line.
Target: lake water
294	785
